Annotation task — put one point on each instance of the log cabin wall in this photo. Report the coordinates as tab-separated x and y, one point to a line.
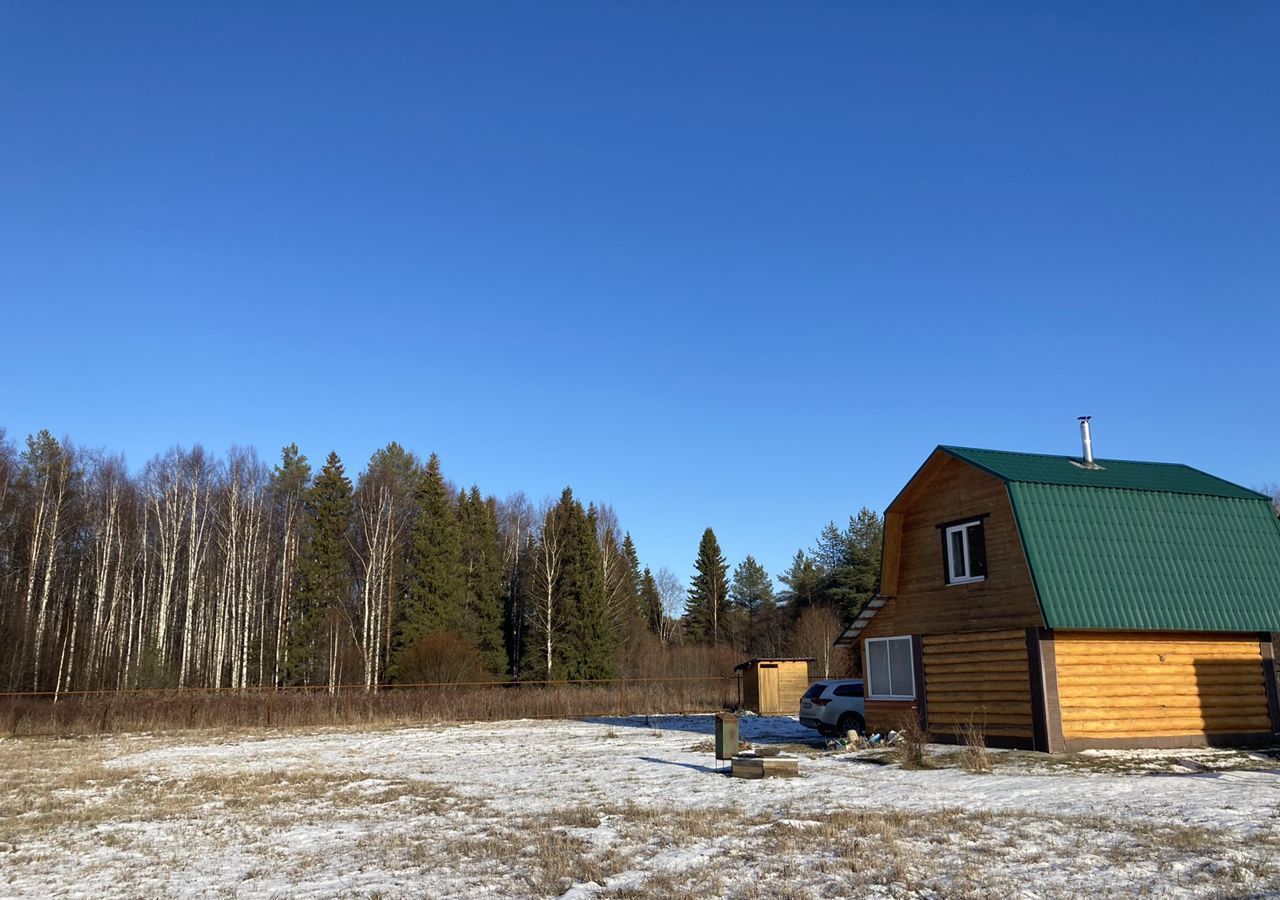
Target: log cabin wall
884	716
979	678
972	636
1155	689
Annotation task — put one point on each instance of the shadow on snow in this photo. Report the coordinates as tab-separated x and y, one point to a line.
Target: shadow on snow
694	766
757	729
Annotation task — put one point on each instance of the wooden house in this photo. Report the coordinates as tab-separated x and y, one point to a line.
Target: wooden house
1063	603
772	687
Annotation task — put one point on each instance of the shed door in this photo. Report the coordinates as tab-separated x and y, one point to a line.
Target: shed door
768	688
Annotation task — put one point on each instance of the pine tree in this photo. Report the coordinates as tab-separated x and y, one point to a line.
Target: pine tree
482	560
802	580
831	551
752	587
708	593
752	592
861	575
324	574
435	580
852	580
291	475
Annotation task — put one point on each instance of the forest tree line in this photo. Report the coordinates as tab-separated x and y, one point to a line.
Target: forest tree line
207	572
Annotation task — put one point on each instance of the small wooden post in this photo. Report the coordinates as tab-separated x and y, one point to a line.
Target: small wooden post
726	735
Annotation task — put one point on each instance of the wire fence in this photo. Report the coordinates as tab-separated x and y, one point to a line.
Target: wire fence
67	713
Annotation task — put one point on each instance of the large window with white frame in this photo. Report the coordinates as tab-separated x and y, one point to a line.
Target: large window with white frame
890	669
965	548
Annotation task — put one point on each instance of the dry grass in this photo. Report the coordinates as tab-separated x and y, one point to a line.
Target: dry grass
64	798
974	756
910	751
119	712
947	853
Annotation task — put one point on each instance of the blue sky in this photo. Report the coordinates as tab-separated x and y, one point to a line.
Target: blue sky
737	265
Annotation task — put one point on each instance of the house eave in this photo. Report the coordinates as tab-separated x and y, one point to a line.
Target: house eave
849	636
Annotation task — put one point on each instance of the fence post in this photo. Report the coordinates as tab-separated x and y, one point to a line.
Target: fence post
270	695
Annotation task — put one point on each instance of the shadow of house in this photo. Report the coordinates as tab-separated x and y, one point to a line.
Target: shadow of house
1232	705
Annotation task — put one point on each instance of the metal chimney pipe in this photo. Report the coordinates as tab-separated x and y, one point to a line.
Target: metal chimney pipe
1086	440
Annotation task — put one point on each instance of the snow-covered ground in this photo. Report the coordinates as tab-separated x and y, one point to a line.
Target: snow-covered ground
617	808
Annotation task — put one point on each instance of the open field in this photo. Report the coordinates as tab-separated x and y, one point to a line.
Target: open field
616	808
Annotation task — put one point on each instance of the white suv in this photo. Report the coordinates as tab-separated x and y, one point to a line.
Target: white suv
834	707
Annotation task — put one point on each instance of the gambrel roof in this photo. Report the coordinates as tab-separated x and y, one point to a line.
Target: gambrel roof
1138	545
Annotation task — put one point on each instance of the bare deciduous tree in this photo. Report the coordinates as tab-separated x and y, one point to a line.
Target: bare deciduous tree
815	635
673	594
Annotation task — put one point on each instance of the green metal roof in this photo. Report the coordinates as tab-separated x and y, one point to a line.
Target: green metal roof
1111	473
1141	545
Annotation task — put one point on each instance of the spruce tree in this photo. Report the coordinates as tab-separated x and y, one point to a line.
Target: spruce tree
651	601
435	581
482	560
590	638
324	572
708	593
633	578
288	491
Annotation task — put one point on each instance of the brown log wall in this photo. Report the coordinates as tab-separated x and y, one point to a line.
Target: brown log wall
888	715
1115	686
980	678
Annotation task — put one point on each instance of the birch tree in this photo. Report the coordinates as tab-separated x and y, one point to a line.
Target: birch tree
546	618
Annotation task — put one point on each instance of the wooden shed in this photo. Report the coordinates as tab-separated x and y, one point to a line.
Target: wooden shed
1065	603
772	687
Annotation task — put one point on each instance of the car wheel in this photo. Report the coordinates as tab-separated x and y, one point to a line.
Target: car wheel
851	722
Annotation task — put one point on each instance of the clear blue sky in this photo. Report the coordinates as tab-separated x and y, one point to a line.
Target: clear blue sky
732	264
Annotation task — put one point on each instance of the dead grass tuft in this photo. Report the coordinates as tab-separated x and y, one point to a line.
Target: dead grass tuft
974	757
912	743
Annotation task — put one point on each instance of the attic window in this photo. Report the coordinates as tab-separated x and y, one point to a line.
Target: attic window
965	549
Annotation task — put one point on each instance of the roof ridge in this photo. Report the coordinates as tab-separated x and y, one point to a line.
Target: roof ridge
1098	459
1020	467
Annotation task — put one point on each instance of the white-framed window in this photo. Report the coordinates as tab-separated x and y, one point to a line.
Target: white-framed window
890	669
966	552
